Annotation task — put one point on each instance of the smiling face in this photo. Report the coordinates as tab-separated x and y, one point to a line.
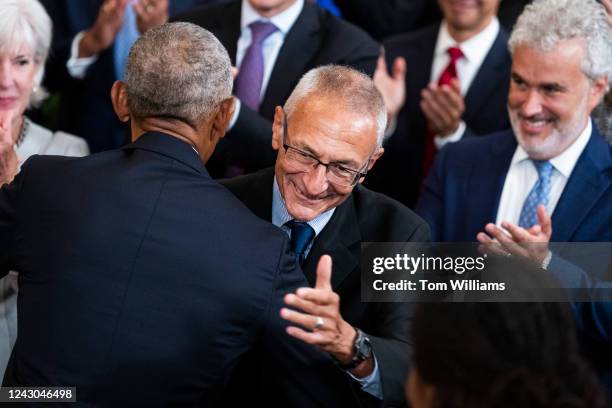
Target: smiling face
17	77
330	134
550	101
468	17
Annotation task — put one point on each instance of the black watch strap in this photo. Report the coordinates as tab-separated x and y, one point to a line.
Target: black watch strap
362	350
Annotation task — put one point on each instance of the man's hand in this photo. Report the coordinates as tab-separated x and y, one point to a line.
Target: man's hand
321	304
392	87
529	243
150	14
102	34
443	107
9	163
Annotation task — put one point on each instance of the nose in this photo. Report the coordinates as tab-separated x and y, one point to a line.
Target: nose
315	181
532	105
6	75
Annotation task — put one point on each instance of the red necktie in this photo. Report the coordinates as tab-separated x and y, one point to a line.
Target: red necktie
449	73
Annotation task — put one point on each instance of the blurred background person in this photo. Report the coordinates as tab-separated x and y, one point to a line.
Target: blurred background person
91	41
273	43
603	113
456	87
25	37
495	355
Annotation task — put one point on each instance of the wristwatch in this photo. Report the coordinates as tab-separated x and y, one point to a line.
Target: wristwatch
362	349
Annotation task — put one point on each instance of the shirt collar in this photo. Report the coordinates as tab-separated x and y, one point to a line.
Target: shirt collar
283	21
280	215
476	48
565	162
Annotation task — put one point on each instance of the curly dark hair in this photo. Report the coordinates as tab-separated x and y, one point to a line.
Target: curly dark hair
503	355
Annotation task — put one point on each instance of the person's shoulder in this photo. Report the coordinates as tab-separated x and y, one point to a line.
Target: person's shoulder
250	183
67	144
474	147
382	218
340	31
208	14
426	34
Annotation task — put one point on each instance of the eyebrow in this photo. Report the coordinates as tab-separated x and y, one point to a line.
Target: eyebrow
346	163
550	85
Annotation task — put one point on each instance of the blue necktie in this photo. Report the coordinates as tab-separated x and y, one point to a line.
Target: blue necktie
539	194
301	235
126	37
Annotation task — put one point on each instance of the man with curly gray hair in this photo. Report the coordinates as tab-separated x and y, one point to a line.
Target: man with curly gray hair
554	161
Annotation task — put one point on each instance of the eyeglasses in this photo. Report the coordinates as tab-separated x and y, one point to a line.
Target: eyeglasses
305	162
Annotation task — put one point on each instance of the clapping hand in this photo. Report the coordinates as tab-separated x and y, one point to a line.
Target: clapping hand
9	163
150	14
443	106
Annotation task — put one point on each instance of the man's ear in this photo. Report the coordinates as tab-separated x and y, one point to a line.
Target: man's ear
223	118
120	101
597	91
375	156
277	128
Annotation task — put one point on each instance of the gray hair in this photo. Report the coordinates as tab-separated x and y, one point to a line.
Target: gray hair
25	22
351	89
546	23
179	71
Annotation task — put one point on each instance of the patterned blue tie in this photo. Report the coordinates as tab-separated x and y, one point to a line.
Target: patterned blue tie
126	37
301	235
539	194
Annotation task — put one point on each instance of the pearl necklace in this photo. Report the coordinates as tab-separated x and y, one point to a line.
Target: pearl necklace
24	131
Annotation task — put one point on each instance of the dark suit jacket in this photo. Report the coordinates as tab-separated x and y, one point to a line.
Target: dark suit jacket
365	216
316	38
85	105
399	172
142	281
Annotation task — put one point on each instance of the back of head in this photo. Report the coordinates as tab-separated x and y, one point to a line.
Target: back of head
349	89
495	354
177	71
546	23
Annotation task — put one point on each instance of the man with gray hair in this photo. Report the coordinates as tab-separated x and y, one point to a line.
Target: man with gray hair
554	160
328	136
142	280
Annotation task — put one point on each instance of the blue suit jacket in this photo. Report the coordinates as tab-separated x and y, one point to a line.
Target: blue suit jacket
462	192
399	171
85	107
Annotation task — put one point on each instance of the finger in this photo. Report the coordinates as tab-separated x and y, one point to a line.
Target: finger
535	230
519	234
454	100
138	9
314	338
455	85
439	115
306	306
320	296
6	119
544	221
324	271
489	245
506	241
447	103
399	69
302	319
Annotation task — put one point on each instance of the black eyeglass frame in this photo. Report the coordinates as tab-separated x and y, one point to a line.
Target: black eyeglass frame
357	174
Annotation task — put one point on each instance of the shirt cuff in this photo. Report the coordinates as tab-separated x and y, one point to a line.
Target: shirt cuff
237	105
77	67
371	384
453	137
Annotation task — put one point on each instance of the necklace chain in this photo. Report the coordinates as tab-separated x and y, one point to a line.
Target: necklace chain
24	131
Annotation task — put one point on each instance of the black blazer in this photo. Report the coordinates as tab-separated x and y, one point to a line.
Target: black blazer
143	281
365	216
399	172
316	38
85	107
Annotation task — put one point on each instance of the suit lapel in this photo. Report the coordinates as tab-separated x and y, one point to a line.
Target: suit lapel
486	182
494	70
585	186
300	46
341	240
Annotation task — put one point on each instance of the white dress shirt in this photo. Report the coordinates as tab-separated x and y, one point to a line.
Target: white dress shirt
271	45
474	51
522	176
